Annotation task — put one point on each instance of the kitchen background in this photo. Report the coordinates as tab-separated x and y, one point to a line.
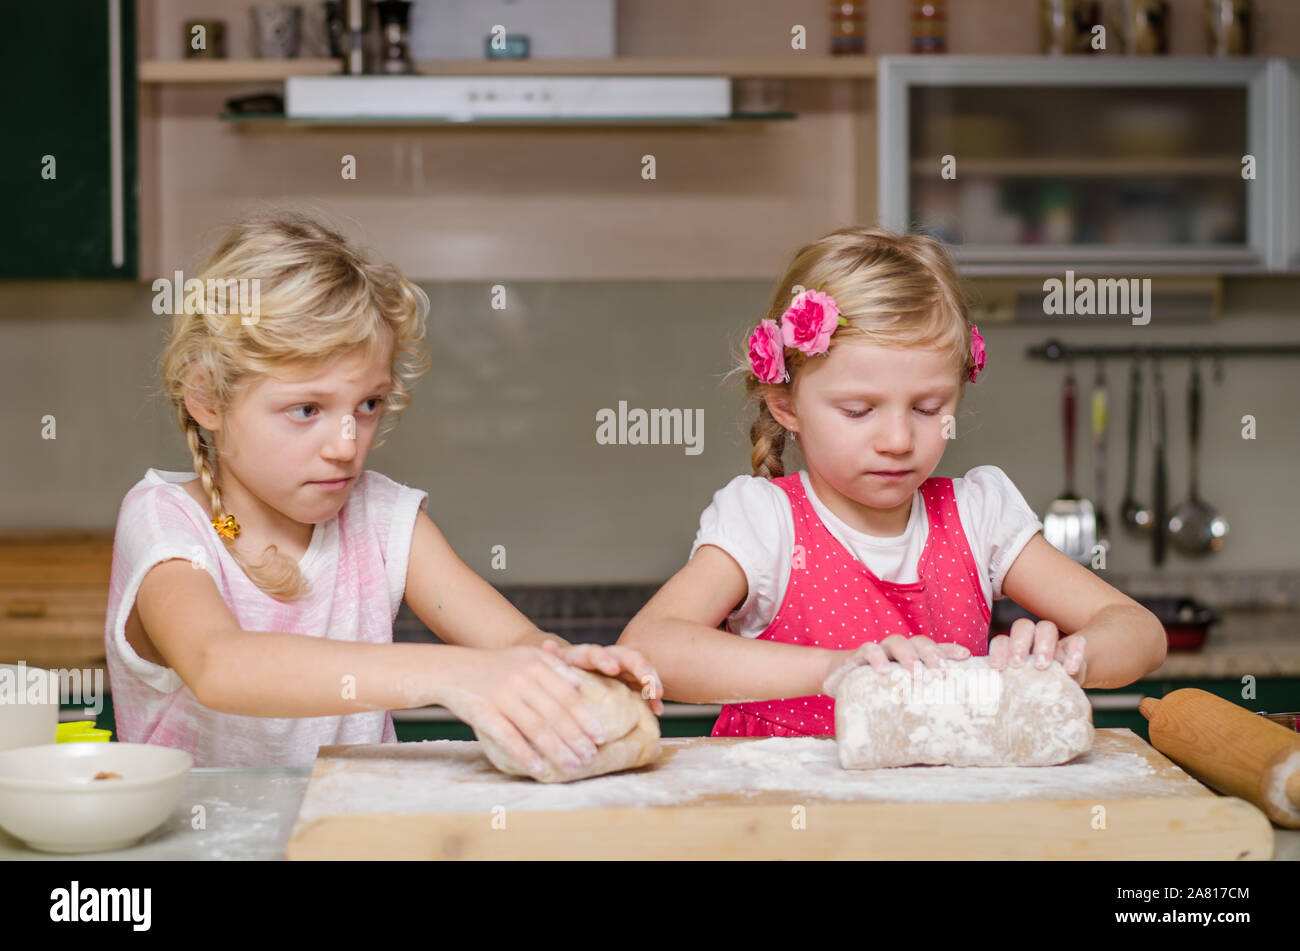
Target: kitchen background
626	289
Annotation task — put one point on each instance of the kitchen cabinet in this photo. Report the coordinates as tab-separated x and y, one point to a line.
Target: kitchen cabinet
1285	91
1111	708
1119	707
1279	695
1040	164
68	173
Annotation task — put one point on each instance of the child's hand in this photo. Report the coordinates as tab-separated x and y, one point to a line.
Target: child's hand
1044	641
625	663
906	650
526	699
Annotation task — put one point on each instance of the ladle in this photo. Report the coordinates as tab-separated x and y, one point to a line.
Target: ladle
1195	528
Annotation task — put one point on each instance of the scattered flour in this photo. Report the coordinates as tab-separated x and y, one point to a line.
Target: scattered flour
454	776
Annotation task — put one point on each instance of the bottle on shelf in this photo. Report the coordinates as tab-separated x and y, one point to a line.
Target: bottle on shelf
848	28
929	26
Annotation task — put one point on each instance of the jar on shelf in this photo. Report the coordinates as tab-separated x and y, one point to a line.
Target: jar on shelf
1068	26
1227	27
929	26
848	28
1146	27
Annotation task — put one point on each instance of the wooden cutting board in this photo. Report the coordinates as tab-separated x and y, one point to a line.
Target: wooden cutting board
769	798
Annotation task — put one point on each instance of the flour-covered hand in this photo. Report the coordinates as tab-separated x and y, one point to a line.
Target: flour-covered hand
1045	642
625	663
908	651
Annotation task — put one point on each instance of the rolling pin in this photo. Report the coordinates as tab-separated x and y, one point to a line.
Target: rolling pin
1230	749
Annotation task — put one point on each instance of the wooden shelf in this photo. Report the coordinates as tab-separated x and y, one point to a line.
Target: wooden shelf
232	70
794	66
443	195
1096	167
275	120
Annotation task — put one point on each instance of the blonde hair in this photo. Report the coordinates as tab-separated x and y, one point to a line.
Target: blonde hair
320	298
895	290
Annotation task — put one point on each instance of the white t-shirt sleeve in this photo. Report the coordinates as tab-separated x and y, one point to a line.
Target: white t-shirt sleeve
998	520
750	520
153	527
392	508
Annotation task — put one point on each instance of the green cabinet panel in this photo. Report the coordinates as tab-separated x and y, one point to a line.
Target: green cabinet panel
1272	696
70	107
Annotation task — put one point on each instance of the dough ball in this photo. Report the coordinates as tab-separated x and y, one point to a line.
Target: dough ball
976	716
631	733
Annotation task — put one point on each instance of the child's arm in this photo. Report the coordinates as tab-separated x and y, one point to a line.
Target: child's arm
462	608
272	673
677	631
518	696
1123	640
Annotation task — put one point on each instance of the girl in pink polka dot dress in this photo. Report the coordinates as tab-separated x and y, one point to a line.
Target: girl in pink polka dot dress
865	556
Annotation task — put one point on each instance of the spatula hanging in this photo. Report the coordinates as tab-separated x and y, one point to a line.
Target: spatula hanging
1070	524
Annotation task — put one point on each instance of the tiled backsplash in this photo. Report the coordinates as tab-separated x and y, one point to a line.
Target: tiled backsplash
503	430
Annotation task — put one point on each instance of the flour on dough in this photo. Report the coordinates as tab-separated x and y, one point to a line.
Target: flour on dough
976	716
631	733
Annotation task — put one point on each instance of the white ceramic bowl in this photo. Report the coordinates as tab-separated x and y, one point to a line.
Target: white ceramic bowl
50	799
27	724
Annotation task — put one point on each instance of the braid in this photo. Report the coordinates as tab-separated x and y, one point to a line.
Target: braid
202	464
277	575
768	437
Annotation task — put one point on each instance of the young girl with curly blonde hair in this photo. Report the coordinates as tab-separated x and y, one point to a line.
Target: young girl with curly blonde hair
252	599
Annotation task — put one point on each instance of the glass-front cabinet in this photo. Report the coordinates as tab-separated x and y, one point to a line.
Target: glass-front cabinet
1285	93
1035	164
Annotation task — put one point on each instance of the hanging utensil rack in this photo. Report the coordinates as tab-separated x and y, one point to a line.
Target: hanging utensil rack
1055	350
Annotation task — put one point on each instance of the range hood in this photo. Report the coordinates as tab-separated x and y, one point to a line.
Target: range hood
466	99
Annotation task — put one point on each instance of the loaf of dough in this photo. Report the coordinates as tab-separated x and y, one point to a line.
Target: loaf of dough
975	716
631	733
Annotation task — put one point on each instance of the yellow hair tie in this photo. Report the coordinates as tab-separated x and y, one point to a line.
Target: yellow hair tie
226	527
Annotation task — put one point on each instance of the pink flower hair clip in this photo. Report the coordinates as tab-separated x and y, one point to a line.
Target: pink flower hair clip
806	325
977	353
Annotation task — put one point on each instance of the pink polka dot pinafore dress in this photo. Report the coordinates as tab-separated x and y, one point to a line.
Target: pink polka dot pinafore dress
832	600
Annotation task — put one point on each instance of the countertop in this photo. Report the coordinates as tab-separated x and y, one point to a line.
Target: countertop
251	811
1263	643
